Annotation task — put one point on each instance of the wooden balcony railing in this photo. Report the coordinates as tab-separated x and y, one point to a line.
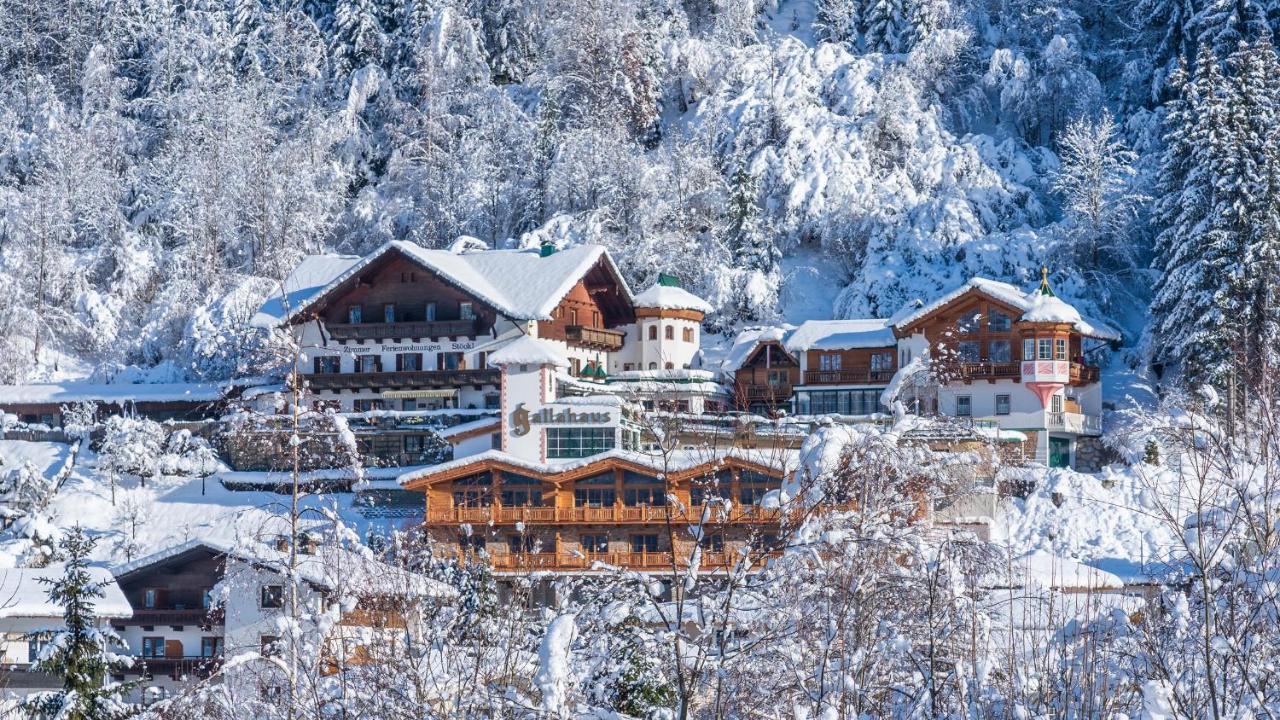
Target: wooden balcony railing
399	330
612	514
1084	374
594	338
657	560
782	393
176	667
174	616
404	379
847	376
985	370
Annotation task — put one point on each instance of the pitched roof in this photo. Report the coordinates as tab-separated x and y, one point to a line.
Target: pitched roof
65	392
521	284
745	343
23	593
528	351
667	297
840	335
1014	297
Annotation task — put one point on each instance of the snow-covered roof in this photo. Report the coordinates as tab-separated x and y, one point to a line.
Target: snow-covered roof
668	297
679	460
1014	297
746	342
24	593
840	335
467	428
74	391
521	284
528	351
1042	569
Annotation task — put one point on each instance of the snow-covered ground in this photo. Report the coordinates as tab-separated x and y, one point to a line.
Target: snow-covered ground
47	457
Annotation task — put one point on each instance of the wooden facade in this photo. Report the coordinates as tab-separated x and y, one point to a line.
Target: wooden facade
763	384
587	314
611	511
988	339
858	366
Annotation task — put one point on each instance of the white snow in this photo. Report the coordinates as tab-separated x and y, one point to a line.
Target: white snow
840	335
666	297
1033	305
68	392
529	351
553	664
23	593
745	343
781	460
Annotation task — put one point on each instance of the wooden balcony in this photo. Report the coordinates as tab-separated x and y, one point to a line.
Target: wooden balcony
594	338
400	330
175	667
989	371
174	616
609	515
778	395
848	376
568	561
1085	374
404	380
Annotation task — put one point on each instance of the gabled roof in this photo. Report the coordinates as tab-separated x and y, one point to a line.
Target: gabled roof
521	284
24	593
840	335
681	465
746	342
1015	298
668	297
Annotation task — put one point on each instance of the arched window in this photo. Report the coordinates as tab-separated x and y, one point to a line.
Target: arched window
669	332
688	335
653	366
653	332
670	366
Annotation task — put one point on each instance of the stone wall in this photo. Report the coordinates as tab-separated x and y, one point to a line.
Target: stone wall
1092	455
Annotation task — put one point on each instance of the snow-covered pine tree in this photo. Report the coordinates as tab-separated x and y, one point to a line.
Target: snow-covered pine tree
837	20
247	19
887	26
81	652
1164	32
358	37
754	250
1222	25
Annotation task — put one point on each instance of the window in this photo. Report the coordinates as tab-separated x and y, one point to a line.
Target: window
368	363
713	543
969	323
595	543
628	367
653	332
1002	404
575	366
1060	349
964	406
152	647
270	645
517	544
150	598
1046	348
449	361
389	313
272	596
408	362
521	490
573	316
1055	404
410	404
687	335
475	543
999	351
653	365
1028	349
576	442
829	362
669	333
595	491
777	378
415	444
633	497
206	598
355	314
466	311
669	366
970	351
492	401
368	404
644	543
431	312
327	364
35	646
999	322
210	647
881	362
595	319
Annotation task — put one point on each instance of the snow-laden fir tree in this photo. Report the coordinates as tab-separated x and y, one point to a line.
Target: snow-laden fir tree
887	26
358	36
81	653
1164	32
1223	25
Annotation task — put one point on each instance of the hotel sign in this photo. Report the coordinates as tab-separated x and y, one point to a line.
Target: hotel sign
454	346
522	419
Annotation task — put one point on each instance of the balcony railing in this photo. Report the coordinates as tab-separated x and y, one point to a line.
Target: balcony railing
847	376
397	330
657	560
610	514
781	393
404	379
176	667
984	370
174	616
1078	423
1084	374
594	338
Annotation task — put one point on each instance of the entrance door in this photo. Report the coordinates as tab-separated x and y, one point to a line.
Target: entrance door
1059	452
